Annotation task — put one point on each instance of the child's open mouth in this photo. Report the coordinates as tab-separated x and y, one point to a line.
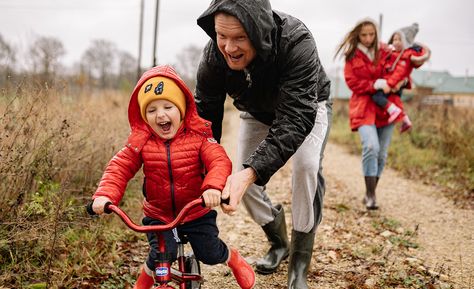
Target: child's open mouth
165	126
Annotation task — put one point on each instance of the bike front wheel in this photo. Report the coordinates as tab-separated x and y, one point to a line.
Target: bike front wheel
191	265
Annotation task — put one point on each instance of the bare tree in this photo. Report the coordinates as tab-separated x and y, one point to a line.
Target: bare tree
7	59
99	59
45	53
187	64
127	69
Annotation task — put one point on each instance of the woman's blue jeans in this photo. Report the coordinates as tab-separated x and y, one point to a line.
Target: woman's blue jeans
375	143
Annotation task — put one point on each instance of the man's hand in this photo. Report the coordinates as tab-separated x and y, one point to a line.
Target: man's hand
99	203
212	198
235	188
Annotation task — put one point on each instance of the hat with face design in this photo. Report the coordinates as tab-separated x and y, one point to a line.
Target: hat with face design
161	88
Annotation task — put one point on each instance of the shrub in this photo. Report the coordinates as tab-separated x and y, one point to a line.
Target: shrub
437	149
53	147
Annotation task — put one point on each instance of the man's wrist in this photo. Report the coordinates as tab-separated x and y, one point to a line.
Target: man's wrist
250	174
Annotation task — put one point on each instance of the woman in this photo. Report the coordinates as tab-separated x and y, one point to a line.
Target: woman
364	57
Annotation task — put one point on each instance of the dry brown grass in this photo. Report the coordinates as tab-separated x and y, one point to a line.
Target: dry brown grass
437	150
53	148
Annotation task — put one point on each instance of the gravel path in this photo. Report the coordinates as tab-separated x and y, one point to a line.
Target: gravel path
445	233
349	252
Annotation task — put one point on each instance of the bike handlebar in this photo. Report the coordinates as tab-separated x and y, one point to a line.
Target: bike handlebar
109	208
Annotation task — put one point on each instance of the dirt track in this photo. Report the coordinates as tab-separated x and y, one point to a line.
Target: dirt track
417	238
445	233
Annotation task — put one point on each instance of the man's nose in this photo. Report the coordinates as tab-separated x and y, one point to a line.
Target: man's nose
230	46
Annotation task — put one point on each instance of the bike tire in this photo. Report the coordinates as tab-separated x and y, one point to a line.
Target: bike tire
191	265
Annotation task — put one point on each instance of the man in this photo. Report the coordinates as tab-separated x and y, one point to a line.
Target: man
268	63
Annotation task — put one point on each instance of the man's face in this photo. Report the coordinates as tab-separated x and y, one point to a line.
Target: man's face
233	42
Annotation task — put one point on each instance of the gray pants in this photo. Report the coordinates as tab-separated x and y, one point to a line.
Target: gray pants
307	179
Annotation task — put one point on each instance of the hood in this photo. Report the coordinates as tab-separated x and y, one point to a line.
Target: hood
407	34
256	17
191	118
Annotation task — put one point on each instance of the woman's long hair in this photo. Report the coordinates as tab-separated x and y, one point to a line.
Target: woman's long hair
349	45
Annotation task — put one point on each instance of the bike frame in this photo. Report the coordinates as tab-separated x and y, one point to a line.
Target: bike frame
163	271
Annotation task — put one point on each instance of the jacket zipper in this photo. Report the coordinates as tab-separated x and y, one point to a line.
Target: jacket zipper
248	77
173	203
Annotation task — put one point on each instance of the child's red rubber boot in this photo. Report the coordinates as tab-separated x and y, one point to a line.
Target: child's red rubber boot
406	124
393	111
144	281
243	272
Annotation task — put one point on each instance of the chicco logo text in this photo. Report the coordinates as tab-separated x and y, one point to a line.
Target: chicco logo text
161	271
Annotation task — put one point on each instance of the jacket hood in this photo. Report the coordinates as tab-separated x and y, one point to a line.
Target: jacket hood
407	35
256	17
191	118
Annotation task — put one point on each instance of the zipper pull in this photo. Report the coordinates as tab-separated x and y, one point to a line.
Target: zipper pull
248	77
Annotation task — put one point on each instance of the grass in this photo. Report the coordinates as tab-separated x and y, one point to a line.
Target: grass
438	149
383	251
53	147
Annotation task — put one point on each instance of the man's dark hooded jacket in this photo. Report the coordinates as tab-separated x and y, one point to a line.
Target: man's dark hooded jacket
281	87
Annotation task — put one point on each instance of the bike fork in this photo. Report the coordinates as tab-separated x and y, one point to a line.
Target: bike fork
162	263
181	262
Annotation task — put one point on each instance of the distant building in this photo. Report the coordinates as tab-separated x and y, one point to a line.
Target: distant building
433	87
428	88
424	82
429	79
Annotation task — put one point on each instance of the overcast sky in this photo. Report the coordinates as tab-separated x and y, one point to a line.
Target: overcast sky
446	26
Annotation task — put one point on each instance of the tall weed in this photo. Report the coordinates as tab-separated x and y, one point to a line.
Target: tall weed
438	149
53	148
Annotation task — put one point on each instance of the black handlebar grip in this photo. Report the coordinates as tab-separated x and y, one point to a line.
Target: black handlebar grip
91	212
106	208
225	201
89	209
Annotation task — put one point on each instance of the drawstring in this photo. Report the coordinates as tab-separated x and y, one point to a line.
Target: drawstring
248	77
396	60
